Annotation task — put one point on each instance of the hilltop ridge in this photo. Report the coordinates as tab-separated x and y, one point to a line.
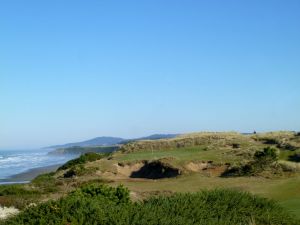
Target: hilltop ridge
106	141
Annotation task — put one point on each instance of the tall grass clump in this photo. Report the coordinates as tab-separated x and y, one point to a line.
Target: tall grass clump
46	182
17	190
262	160
18	195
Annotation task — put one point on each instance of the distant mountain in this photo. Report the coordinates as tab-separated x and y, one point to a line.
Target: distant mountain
98	141
111	141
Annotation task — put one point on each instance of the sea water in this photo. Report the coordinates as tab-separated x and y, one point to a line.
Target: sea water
13	162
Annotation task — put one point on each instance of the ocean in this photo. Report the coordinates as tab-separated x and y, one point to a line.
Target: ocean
13	162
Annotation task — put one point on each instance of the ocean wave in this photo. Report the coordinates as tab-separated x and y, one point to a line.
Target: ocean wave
18	162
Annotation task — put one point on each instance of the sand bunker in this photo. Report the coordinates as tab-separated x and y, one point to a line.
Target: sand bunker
155	170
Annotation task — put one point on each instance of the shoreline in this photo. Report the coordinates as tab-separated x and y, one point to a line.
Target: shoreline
27	176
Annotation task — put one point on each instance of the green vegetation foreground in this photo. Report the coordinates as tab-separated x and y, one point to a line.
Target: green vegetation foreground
101	204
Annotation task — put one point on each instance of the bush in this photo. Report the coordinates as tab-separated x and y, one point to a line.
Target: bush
44	178
270	140
235	145
215	207
78	170
261	161
70	173
87	157
46	182
117	195
287	146
267	156
102	205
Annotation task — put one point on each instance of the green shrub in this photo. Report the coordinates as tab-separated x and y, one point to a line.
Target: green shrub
270	140
87	157
267	156
119	194
262	160
106	206
286	146
78	170
44	178
45	182
215	207
236	145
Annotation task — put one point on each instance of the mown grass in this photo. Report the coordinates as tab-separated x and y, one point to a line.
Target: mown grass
181	155
286	192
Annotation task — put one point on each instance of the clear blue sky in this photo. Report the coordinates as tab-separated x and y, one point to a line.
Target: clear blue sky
73	70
